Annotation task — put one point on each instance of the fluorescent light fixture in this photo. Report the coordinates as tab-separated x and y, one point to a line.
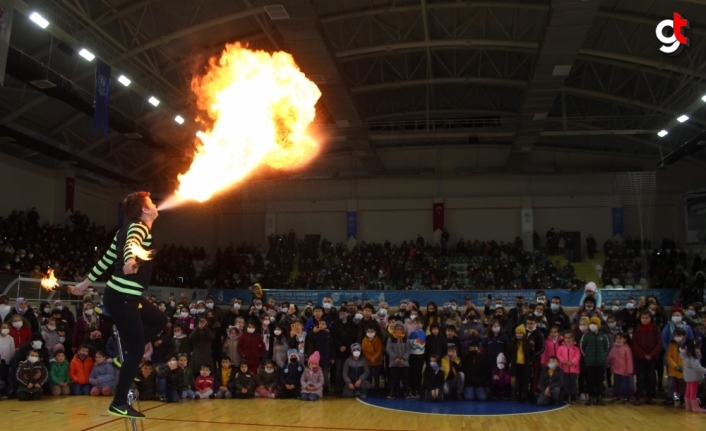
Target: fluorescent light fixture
704	98
153	100
39	20
662	133
124	80
179	119
88	55
683	118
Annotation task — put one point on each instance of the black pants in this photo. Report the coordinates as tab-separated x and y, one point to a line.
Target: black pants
398	376
523	376
136	327
645	378
594	380
416	367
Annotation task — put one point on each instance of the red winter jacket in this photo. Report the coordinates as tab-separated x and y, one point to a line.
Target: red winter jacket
646	341
251	349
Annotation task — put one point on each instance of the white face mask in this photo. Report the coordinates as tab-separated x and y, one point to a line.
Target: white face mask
88	312
47	310
172	363
5	331
236	306
538	313
278	332
36	345
583	327
679	339
611	325
283	309
172	303
496	329
358	316
593	327
371	336
382	312
51	327
62	339
356	354
615	308
551	365
177	334
266	322
413	316
33	359
676	319
501	366
258	307
17	325
269	370
184	314
251	330
209	305
454	308
630	305
60	307
327	305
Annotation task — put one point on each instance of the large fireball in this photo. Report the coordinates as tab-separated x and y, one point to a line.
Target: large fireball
260	106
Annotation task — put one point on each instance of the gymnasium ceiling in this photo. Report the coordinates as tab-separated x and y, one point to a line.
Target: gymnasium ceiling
418	87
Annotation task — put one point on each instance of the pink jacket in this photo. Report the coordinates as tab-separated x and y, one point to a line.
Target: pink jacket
620	360
569	353
551	348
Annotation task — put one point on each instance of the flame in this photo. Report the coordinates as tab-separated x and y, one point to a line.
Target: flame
260	106
49	282
140	252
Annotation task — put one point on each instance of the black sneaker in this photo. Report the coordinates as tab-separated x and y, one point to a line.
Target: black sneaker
125	411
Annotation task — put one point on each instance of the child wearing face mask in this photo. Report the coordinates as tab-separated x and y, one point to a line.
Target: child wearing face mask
355	374
7	351
225	379
693	374
50	336
495	342
312	380
250	347
59	380
80	370
521	360
579	331
500	379
189	383
569	356
230	344
19	330
476	373
174	380
280	345
620	361
372	351
185	321
551	345
646	346
31	375
267	380
433	382
675	367
290	376
551	383
594	348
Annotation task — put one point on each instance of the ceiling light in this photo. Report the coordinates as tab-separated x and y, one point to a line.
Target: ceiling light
153	100
39	20
179	119
662	133
704	98
124	80
683	118
88	55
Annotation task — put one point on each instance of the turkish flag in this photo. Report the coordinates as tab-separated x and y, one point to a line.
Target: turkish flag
438	216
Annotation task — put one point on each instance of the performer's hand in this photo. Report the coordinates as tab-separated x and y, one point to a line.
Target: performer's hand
80	288
130	267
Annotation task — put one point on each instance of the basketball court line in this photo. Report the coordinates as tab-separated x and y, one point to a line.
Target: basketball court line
118	419
461	415
196	421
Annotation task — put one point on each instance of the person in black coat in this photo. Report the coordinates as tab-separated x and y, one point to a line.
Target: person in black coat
433	381
551	383
344	334
436	343
477	372
22	308
35	343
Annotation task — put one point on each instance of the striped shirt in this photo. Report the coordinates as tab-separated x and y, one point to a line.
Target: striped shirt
135	232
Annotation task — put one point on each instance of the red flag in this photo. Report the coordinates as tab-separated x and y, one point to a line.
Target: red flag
438	216
70	185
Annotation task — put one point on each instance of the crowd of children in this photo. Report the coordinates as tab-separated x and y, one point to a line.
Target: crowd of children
533	352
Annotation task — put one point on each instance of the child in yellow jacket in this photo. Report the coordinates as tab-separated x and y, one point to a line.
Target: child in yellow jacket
675	367
372	351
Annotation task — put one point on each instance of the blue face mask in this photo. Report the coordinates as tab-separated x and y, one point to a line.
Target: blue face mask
434	365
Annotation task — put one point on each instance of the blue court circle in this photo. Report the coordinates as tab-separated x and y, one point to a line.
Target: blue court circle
460	408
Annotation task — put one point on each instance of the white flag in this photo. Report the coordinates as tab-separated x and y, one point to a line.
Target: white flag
7	7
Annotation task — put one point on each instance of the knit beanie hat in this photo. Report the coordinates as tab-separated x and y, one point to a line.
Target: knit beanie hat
521	329
501	359
399	325
595	320
355	347
314	358
591	286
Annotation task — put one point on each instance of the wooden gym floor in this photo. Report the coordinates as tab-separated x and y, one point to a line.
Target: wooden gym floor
83	413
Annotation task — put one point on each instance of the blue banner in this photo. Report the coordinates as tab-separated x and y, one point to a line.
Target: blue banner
618	225
351	225
101	109
394	297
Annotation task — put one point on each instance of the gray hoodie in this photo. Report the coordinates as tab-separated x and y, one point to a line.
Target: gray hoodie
693	371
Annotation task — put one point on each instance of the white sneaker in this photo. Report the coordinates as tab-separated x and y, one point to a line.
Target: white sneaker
582	397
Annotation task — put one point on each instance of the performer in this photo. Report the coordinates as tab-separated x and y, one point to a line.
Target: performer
138	321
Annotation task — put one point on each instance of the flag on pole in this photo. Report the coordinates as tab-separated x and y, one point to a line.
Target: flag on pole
101	110
7	7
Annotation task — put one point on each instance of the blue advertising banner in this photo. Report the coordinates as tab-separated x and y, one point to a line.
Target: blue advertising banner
351	225
618	225
394	297
101	109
